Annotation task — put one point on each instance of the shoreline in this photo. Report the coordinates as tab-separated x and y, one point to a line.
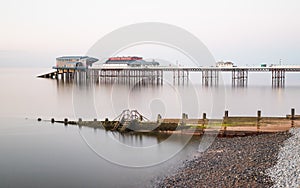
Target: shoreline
230	162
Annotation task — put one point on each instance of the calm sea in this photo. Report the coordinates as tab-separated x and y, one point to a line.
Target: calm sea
41	154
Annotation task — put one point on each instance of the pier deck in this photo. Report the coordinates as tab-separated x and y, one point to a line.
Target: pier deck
155	74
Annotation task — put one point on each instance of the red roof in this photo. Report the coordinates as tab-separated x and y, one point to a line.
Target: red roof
124	58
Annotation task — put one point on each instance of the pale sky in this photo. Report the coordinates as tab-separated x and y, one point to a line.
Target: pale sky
35	32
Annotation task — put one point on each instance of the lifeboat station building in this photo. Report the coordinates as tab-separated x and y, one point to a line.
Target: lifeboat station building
75	61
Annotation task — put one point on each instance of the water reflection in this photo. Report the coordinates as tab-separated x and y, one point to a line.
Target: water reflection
140	139
57	155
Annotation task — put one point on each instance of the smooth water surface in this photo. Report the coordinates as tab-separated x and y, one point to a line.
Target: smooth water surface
41	154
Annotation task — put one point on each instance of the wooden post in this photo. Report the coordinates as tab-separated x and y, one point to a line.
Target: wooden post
258	118
293	113
158	118
66	121
225	122
226	114
204	116
183	120
258	115
52	120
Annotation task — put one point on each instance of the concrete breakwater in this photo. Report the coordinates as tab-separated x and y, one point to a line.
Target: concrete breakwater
227	126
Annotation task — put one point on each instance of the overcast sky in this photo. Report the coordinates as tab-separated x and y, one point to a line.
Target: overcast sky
34	32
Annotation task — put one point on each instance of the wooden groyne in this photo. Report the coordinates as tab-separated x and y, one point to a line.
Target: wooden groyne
227	126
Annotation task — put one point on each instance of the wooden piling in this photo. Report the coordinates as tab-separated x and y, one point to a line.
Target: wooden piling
225	119
52	120
226	114
66	121
159	118
258	120
293	113
204	116
258	115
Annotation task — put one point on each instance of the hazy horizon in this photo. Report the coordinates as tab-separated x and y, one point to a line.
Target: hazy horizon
34	32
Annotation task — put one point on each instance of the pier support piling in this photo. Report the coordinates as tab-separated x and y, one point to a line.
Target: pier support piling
180	76
239	77
278	77
210	77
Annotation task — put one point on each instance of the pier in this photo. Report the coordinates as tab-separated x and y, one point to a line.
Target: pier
155	74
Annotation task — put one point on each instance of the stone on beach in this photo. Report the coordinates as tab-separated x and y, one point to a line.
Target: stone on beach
230	162
286	173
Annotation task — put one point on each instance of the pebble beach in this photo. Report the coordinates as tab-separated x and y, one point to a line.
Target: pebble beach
263	160
286	173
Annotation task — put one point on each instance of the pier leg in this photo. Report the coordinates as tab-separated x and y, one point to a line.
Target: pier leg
67	75
239	77
161	77
210	77
278	77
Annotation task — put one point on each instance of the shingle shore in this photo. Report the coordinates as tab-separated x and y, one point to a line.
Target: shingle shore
286	173
230	162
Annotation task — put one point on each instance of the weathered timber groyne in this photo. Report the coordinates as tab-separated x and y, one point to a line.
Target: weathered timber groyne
227	126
